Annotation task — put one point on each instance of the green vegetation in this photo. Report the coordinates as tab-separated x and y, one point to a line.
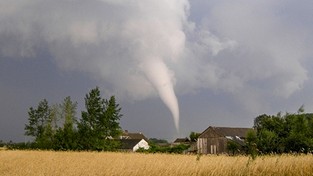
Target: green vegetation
158	141
99	123
66	137
56	127
154	148
2	144
193	136
288	133
233	147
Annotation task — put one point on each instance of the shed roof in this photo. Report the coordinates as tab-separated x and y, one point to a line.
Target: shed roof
181	140
225	131
128	135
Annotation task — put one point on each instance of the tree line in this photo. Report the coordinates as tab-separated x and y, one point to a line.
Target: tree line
282	133
57	127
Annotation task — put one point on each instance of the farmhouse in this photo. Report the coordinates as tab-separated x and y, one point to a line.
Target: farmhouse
133	141
133	144
214	140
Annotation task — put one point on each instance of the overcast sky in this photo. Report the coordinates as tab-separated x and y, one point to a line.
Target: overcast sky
173	65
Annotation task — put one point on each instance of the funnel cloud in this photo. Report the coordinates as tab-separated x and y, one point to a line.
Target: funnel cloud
159	75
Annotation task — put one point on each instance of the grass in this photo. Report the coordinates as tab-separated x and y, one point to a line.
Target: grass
106	163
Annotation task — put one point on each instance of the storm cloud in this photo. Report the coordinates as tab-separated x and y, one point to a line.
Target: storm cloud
251	50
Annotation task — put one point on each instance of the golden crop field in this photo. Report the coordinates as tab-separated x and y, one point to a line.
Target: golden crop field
48	163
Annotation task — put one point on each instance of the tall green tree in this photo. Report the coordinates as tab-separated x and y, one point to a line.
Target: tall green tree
99	123
299	138
66	137
36	119
111	118
68	108
40	125
251	143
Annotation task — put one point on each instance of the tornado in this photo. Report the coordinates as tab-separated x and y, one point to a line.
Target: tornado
162	79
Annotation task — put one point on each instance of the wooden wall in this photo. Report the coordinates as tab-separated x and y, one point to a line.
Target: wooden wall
215	145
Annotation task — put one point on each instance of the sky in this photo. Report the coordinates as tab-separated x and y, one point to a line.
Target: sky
175	66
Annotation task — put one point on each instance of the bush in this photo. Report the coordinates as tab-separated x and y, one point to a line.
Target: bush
178	149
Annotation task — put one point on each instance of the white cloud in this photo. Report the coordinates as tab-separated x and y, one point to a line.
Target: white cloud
268	50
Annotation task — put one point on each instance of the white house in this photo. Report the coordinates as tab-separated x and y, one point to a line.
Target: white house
133	144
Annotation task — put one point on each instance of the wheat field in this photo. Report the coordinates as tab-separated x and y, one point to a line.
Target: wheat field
48	163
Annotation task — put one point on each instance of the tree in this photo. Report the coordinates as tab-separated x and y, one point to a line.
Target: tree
36	119
233	147
2	144
291	132
299	138
40	125
267	141
251	143
99	122
56	127
259	121
194	136
111	118
66	137
301	109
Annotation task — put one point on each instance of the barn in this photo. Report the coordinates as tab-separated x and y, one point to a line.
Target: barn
214	140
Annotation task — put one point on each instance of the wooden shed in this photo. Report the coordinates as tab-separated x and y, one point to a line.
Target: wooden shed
214	140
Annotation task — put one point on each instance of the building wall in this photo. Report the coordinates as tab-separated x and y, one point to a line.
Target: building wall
202	145
215	145
142	144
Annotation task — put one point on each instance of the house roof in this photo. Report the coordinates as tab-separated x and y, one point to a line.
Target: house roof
127	135
181	140
129	143
225	131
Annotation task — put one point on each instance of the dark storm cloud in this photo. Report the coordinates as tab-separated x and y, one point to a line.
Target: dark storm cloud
244	51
